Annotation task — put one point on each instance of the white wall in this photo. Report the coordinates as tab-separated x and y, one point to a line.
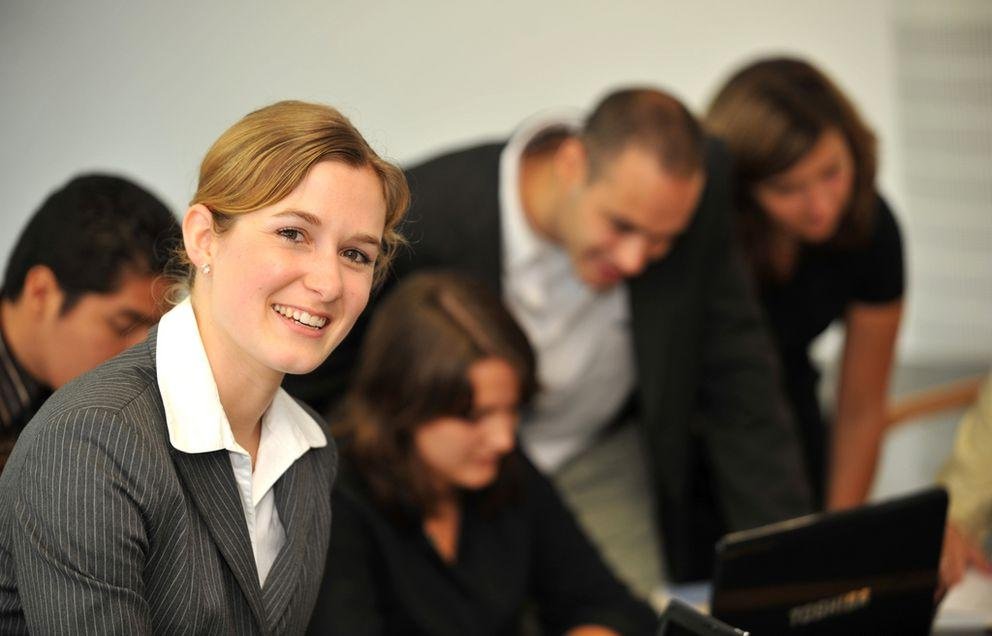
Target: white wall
145	87
944	85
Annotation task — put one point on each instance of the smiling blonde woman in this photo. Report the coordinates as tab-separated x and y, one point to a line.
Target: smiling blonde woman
178	489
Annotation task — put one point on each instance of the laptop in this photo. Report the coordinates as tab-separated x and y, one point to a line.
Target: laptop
868	570
681	619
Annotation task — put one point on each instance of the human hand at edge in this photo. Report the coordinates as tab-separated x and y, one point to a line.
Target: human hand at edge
959	553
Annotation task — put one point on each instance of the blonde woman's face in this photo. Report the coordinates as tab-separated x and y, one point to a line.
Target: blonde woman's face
287	282
808	200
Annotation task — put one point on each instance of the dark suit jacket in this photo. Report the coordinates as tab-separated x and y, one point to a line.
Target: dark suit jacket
105	528
722	445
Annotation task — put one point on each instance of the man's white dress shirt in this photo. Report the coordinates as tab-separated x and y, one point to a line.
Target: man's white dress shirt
581	336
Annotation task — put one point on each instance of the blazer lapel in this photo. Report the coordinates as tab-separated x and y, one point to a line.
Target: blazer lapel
293	492
210	483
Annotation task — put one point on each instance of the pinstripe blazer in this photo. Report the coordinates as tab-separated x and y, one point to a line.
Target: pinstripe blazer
105	528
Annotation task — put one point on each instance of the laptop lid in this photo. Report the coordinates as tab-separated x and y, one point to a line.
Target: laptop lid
868	570
681	619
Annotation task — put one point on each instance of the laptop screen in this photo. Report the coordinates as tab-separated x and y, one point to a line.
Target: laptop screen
868	570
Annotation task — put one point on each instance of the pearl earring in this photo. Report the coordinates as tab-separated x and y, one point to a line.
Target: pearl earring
205	269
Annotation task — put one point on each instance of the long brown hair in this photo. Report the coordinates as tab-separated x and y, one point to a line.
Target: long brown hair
771	113
413	368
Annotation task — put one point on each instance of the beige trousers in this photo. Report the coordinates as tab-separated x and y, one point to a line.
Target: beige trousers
607	488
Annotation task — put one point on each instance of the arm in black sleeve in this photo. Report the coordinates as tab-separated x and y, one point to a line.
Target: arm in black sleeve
751	439
745	423
748	429
348	603
572	584
881	276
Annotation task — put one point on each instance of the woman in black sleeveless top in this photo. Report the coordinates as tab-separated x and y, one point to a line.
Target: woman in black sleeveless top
823	245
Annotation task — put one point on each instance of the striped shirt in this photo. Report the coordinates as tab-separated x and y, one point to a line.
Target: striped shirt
20	398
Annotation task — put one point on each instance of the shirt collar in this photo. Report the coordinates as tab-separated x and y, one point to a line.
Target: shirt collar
194	416
521	244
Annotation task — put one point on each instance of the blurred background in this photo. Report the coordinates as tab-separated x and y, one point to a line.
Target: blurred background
143	89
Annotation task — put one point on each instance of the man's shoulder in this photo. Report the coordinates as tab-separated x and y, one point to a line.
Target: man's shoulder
717	193
447	177
454	211
465	157
716	153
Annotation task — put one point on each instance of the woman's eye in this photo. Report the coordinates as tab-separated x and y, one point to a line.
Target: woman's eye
291	234
621	227
357	256
831	172
123	329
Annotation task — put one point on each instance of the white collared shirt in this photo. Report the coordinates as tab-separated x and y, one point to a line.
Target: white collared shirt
197	424
581	336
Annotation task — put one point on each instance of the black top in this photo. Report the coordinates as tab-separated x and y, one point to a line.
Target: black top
385	577
826	282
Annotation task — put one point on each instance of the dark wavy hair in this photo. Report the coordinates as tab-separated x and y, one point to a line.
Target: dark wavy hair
770	114
91	232
413	368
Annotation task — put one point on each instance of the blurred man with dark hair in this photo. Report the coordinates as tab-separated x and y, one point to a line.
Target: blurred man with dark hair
81	285
609	239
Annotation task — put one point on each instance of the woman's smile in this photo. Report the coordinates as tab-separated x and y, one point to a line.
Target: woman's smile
312	320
